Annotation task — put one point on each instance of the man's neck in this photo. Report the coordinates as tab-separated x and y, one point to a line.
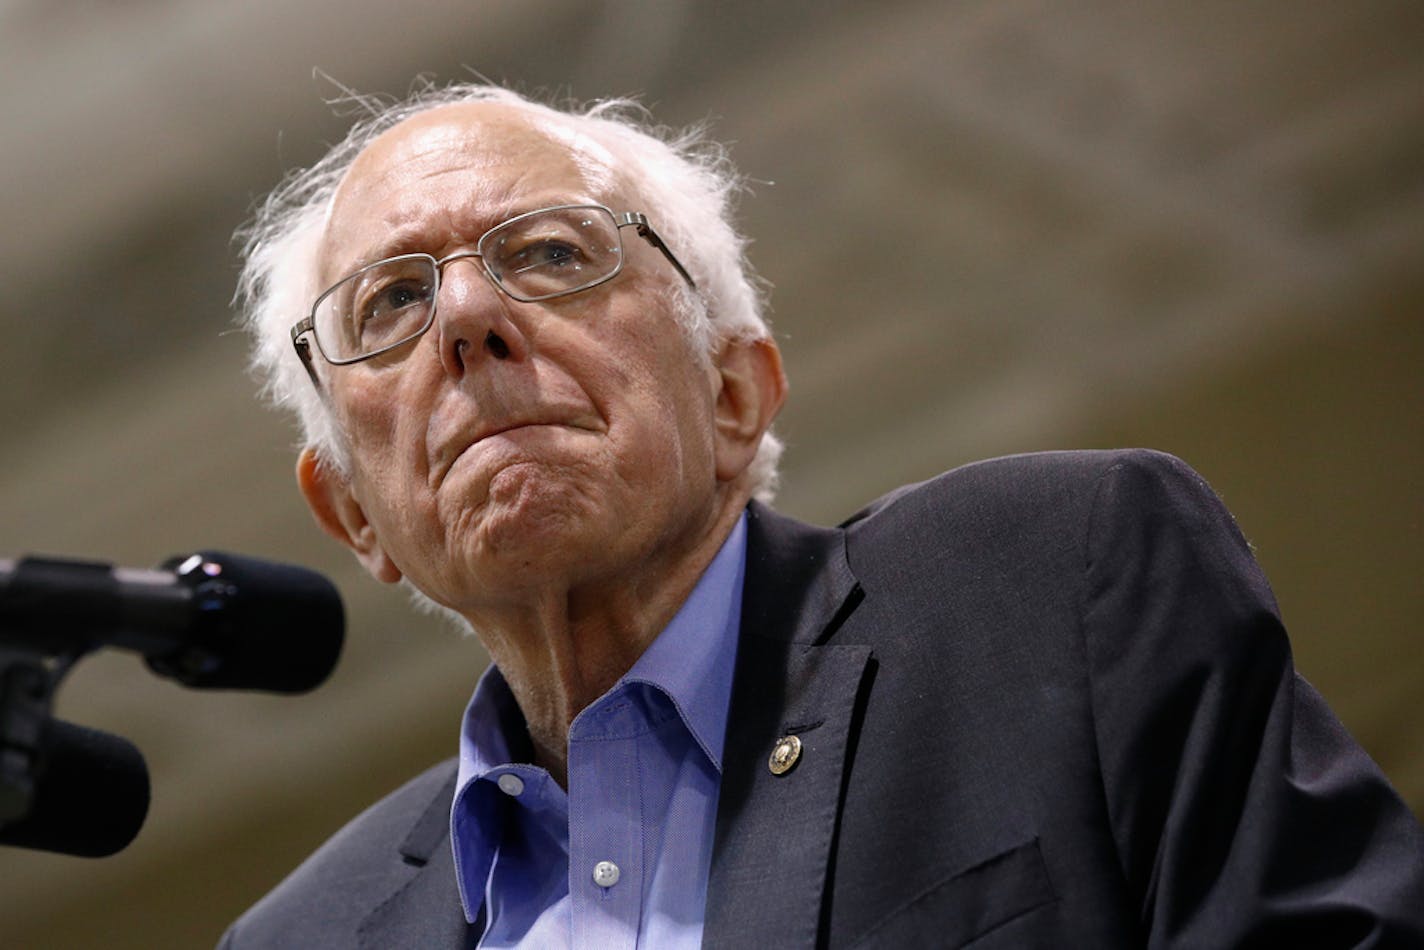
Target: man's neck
564	649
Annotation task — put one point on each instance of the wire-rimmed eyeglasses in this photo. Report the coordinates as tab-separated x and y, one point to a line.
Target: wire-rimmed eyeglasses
538	255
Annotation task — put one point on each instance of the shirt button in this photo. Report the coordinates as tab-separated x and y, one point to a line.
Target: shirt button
510	784
606	874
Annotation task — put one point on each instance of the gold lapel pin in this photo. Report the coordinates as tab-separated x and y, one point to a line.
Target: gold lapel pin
784	755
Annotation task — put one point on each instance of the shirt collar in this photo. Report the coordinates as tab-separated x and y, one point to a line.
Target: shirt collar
693	659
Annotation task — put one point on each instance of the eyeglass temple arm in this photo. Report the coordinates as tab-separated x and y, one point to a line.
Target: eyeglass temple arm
639	222
303	348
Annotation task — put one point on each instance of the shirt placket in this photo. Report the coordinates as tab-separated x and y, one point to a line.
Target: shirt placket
606	833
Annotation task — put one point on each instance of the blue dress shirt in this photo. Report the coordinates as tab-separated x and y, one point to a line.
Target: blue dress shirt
621	859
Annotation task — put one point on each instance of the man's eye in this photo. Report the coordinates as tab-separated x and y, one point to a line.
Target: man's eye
391	299
390	312
552	255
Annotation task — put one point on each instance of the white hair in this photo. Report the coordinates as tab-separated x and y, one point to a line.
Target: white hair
686	180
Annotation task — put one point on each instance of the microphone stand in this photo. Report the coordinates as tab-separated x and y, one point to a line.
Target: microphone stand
28	681
36	653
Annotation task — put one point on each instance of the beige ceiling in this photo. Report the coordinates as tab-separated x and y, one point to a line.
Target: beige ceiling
991	227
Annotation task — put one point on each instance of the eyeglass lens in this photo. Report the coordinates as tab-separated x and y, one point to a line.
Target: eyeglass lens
552	252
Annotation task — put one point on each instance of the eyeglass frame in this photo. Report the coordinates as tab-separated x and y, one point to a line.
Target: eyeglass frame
634	219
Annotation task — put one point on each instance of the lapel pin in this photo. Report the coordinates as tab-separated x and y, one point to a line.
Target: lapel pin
785	755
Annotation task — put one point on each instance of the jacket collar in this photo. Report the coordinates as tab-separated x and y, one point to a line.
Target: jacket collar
424	908
799	585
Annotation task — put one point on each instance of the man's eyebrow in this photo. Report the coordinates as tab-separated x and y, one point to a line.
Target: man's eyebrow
407	239
416	238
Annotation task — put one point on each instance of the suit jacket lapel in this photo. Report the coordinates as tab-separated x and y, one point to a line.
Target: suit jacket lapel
776	833
424	909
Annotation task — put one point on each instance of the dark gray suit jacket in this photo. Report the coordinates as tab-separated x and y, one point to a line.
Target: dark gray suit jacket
1043	701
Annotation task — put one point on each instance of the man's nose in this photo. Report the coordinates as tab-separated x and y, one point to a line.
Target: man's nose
475	319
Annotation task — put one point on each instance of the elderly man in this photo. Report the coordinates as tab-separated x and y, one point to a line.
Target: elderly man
1040	701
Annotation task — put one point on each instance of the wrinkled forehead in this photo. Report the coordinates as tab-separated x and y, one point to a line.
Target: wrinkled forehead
468	165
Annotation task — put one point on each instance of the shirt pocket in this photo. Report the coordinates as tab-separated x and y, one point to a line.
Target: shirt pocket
968	904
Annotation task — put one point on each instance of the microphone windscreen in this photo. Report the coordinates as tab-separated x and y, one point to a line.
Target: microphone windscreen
276	627
91	797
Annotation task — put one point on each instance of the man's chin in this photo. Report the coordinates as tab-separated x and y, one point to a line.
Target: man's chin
532	522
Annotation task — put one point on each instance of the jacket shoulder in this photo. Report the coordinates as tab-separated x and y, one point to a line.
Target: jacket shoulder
1019	480
1042	504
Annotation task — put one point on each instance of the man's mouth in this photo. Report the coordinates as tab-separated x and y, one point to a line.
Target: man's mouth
454	449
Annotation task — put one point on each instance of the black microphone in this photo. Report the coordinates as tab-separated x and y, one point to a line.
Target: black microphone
209	620
91	797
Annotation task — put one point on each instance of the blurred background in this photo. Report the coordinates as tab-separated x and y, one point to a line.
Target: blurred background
991	227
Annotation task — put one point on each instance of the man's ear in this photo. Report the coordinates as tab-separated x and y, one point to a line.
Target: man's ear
337	510
753	387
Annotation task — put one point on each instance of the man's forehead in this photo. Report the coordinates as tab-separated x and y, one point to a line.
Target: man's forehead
480	136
